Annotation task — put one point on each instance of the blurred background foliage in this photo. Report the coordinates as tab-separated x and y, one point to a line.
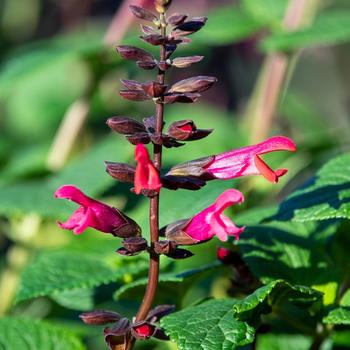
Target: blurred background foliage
59	82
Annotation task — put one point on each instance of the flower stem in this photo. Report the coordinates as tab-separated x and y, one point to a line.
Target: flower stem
153	275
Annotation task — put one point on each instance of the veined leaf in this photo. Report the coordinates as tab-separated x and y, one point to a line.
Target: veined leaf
27	334
208	326
274	294
56	271
338	316
326	196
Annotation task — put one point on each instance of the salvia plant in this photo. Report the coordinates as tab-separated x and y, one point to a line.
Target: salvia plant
167	32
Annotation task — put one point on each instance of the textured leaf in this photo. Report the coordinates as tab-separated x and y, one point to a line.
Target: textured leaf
329	28
75	299
56	271
295	252
275	293
339	316
208	326
170	284
28	334
327	196
88	173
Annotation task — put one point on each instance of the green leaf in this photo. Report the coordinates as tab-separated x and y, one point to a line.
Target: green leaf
208	326
227	25
268	11
56	271
329	28
28	334
274	294
326	196
283	341
295	252
171	285
76	299
338	316
87	172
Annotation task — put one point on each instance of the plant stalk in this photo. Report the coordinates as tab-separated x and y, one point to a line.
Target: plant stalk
153	275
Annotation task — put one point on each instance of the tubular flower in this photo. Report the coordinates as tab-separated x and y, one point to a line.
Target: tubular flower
146	175
208	223
95	214
239	162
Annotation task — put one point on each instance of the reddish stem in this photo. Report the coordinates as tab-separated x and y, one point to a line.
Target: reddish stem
153	275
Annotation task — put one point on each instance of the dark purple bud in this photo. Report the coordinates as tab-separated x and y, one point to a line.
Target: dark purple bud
159	311
164	247
188	183
134	53
135	244
174	232
132	84
138	138
185	62
179	254
118	336
194	168
186	130
129	229
190	27
169	142
154	89
147	65
142	13
99	317
182	98
125	125
170	49
121	171
176	19
147	29
160	334
134	95
142	330
193	85
154	39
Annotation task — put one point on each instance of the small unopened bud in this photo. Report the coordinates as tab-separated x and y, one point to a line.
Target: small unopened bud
118	336
125	125
99	317
159	311
135	244
162	5
121	171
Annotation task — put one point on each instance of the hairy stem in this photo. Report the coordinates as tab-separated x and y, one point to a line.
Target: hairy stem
153	275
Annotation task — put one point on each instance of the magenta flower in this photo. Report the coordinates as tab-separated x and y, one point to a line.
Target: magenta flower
208	223
239	162
95	214
146	175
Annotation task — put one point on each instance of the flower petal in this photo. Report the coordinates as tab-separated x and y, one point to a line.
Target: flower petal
74	194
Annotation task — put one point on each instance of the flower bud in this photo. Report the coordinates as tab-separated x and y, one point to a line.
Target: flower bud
133	53
125	125
142	330
176	19
121	171
162	5
99	317
186	130
118	336
193	85
185	62
170	98
154	89
160	311
135	244
142	13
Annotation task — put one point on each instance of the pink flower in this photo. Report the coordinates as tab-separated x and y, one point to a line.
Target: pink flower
239	162
95	214
146	175
211	221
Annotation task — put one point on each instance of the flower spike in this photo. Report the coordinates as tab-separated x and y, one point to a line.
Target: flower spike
95	214
239	162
